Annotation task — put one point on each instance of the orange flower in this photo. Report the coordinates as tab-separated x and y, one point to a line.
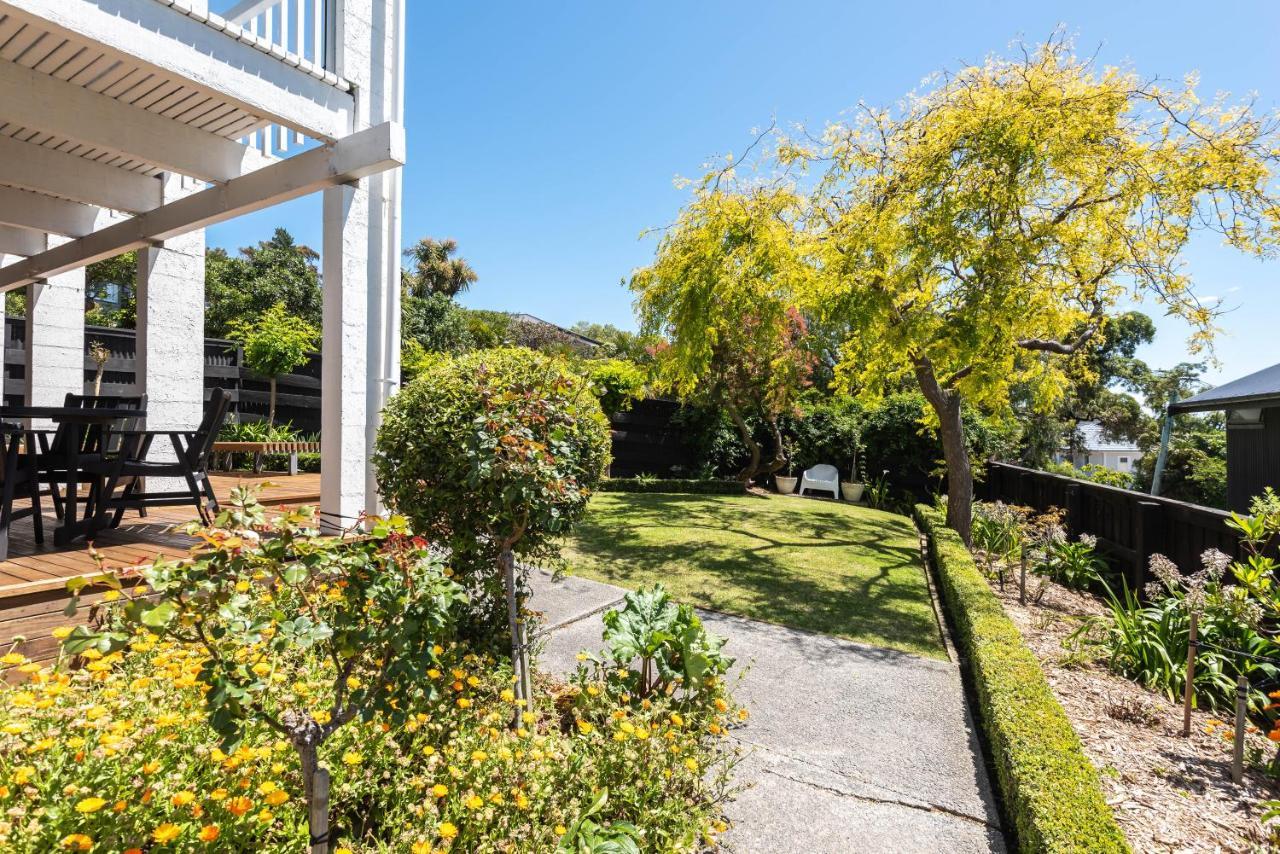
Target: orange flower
209	833
77	842
277	797
1274	735
239	806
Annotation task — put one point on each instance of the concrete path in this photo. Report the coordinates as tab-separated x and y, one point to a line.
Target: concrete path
849	748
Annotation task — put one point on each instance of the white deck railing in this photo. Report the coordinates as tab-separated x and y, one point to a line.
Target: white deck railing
304	28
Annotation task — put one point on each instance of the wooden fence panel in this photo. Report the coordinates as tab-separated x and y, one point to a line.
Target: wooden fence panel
1130	526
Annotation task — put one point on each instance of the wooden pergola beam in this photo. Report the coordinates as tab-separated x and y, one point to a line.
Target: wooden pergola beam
345	161
21	241
44	170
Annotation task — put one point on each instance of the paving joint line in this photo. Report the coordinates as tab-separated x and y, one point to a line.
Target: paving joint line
902	798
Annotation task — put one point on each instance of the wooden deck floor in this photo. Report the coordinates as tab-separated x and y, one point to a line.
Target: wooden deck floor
33	579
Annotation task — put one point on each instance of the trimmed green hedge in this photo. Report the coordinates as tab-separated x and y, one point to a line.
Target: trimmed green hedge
692	487
1051	790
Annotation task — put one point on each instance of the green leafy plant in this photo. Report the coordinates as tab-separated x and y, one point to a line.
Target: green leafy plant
266	601
275	343
494	454
1072	564
588	836
878	494
668	640
616	383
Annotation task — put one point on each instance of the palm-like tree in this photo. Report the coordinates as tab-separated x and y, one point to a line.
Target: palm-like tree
433	271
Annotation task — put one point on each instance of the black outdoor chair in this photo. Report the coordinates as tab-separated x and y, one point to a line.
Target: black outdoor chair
19	478
127	471
97	442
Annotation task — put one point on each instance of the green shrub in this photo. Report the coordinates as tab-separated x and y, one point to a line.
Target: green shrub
1093	473
1051	792
616	383
494	454
675	485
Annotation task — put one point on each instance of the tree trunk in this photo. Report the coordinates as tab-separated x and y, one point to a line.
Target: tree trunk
271	405
519	650
747	439
946	404
97	380
779	452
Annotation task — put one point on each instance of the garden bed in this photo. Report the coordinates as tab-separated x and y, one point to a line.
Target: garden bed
1168	793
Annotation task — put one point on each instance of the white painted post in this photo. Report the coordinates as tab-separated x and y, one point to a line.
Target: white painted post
55	339
367	37
170	349
4	326
344	350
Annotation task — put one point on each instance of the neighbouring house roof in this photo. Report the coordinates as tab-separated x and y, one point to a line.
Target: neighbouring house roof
1258	389
1092	439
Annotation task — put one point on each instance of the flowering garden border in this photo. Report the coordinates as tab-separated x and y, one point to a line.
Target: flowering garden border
1051	791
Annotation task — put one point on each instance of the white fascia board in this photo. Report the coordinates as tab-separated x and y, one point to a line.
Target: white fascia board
169	42
350	159
44	170
21	241
37	101
45	213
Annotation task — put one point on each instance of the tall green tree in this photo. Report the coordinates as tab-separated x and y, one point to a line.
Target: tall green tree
978	237
434	270
247	285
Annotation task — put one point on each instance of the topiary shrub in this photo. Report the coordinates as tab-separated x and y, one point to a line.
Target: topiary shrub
494	455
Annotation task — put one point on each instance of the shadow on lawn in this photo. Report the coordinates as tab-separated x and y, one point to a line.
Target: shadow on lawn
862	578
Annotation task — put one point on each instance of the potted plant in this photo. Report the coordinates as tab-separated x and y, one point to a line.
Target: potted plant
851	490
787	483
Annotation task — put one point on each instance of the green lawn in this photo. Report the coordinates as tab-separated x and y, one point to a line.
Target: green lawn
819	565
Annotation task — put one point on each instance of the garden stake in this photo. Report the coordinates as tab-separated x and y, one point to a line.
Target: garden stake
1237	755
318	812
1022	579
1191	678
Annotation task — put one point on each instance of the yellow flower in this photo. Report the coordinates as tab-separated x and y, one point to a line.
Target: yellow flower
267	788
721	705
15	728
89	805
474	802
439	790
352	758
508	695
464	703
692	765
261	668
585	728
166	832
428	750
218	794
150	767
13	658
181	799
77	842
676	720
420	847
343	851
209	833
61	632
277	798
447	830
559	830
266	816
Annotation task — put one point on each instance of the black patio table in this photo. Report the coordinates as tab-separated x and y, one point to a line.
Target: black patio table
76	419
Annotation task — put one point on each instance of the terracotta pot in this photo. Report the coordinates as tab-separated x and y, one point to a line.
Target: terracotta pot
851	492
786	485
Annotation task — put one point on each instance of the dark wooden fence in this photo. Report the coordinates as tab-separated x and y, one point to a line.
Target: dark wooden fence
646	442
297	394
1130	526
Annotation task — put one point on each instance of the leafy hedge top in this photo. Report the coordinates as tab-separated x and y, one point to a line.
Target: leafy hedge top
491	449
1051	790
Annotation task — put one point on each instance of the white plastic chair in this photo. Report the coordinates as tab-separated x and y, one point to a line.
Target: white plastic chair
821	477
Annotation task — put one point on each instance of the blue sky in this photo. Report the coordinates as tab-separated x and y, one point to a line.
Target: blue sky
544	137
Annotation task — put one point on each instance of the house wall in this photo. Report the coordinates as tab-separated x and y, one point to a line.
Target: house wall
1123	461
1253	459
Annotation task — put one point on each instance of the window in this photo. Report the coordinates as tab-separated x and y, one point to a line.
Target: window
1124	461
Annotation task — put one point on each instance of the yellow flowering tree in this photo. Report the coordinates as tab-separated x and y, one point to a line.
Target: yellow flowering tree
980	236
269	604
722	289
